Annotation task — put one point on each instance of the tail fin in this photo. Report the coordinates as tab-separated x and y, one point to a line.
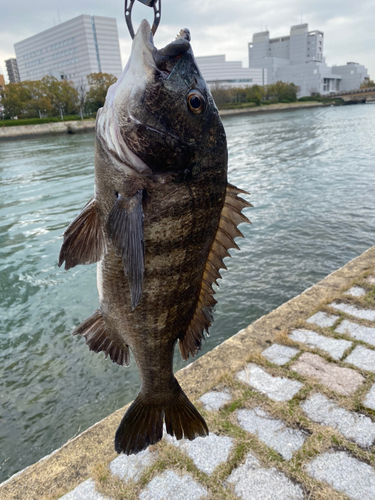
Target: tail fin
142	424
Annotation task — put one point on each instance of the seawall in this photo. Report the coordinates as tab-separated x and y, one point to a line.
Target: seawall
24	131
75	127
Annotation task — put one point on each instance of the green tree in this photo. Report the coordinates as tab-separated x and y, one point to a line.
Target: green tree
99	84
256	94
281	91
13	99
64	97
38	102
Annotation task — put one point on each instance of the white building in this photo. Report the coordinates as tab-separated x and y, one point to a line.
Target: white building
71	50
219	72
298	58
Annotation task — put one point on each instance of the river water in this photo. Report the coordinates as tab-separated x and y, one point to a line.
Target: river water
311	175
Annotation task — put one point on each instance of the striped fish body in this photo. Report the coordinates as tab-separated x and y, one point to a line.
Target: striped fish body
159	226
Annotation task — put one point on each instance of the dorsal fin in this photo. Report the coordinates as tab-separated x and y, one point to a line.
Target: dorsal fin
227	230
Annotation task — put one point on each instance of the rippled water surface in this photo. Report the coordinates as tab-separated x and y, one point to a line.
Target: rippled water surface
311	175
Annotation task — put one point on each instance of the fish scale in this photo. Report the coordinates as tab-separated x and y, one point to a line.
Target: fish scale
160	224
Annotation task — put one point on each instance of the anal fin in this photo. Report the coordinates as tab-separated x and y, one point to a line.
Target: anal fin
95	333
125	229
84	241
231	216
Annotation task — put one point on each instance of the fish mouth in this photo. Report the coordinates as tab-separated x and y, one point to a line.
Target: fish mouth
165	59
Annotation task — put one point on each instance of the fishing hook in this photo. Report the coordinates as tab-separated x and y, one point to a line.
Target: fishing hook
156	4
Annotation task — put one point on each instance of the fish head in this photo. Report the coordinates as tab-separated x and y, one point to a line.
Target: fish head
162	109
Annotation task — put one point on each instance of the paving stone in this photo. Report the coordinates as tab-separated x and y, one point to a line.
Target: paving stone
355	426
214	400
85	491
274	433
276	388
253	482
356	291
370	280
344	473
334	347
342	380
279	354
370	398
354	311
206	452
362	358
171	486
132	466
323	319
359	332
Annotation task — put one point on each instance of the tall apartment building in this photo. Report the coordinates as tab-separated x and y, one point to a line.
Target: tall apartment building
298	58
71	50
219	72
12	70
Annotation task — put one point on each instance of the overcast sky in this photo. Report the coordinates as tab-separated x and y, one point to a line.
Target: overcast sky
216	26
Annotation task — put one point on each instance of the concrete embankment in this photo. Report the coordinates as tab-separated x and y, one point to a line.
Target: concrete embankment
289	401
24	131
75	127
272	108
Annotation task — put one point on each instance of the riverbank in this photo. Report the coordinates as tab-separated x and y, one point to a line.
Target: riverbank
273	108
305	371
24	131
79	126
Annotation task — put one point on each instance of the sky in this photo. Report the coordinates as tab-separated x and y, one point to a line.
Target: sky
216	26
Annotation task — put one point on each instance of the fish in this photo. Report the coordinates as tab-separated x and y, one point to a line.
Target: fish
161	221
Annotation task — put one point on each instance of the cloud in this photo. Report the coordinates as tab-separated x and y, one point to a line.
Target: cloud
217	26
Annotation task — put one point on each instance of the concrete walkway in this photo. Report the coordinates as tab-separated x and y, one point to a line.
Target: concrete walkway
289	401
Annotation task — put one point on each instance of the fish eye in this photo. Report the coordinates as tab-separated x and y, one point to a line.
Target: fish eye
195	102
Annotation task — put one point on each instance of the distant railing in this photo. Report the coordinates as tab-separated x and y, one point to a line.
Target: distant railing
357	91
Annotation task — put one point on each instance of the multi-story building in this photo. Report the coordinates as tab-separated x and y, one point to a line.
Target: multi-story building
298	58
71	50
219	72
12	70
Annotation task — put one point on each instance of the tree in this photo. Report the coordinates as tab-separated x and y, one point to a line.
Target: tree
81	89
281	91
12	99
367	83
64	97
99	84
38	101
256	94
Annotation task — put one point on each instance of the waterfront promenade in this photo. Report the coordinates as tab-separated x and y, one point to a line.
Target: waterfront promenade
289	401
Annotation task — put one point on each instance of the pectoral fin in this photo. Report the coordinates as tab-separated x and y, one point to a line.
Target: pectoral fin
125	229
231	216
84	241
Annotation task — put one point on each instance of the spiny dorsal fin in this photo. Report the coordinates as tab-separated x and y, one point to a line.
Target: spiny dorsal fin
94	331
227	230
125	228
84	241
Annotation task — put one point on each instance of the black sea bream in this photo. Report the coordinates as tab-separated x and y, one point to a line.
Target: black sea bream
159	225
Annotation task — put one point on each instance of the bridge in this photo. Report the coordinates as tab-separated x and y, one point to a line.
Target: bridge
358	95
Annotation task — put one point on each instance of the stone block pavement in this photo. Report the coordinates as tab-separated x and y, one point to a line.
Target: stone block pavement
289	401
297	422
